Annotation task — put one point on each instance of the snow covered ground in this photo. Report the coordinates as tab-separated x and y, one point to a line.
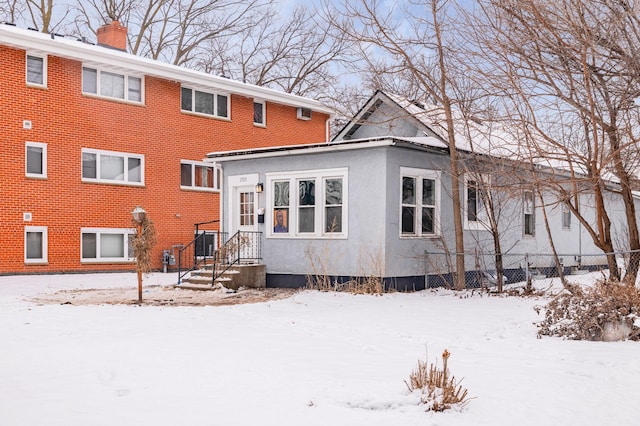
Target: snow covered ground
314	359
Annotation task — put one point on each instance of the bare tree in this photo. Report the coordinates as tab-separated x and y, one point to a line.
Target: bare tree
43	17
419	52
9	11
569	77
296	54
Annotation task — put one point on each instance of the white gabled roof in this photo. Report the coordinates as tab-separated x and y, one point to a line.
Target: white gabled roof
71	48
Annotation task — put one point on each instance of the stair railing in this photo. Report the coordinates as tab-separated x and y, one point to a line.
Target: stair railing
197	254
242	246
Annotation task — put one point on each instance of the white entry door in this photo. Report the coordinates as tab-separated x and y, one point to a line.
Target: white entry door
244	215
244	219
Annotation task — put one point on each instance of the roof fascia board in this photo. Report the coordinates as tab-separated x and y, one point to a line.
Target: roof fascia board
77	50
284	151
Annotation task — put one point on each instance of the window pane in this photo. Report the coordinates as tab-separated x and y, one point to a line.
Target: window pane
306	219
333	192
186	101
135	89
89	165
307	193
257	113
112	85
34	160
246	209
472	201
281	221
89	80
204	103
281	194
89	250
408	190
135	170
112	245
408	221
35	70
333	219
185	174
222	106
528	224
111	167
427	220
34	245
428	192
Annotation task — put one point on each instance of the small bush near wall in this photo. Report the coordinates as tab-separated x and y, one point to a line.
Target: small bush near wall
609	311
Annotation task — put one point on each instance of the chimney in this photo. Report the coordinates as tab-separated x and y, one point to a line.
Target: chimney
113	35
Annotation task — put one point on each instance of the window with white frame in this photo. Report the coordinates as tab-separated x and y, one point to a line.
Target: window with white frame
566	216
112	167
259	117
36	70
419	202
106	244
36	160
529	213
475	202
199	175
207	103
109	84
35	244
308	204
304	114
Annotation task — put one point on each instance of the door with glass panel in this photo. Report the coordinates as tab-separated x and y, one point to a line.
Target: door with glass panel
244	221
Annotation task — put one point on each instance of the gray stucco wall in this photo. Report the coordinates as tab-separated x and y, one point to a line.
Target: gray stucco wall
373	244
365	219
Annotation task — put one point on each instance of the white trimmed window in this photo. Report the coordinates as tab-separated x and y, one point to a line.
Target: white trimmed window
308	204
304	114
475	200
566	216
419	202
114	85
35	244
198	175
529	209
36	70
112	167
106	245
259	113
206	103
36	160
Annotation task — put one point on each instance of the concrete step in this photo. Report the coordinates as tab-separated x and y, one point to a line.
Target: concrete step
194	286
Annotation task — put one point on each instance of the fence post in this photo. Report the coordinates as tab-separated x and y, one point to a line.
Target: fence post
528	273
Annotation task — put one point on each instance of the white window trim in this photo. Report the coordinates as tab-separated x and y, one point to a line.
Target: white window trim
125	155
44	58
99	231
301	116
264	113
215	103
475	225
216	174
42	175
421	174
320	176
99	70
45	244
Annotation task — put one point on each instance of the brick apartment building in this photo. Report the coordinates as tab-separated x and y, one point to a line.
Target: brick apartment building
88	132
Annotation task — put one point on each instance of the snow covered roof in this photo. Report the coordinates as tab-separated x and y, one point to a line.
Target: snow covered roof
75	49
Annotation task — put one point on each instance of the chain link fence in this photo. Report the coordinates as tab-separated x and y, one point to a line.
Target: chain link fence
481	267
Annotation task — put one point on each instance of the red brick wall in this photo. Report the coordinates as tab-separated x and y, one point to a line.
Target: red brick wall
67	121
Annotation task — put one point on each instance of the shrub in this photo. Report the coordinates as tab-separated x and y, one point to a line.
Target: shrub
605	312
439	390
